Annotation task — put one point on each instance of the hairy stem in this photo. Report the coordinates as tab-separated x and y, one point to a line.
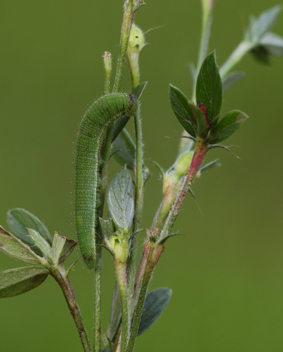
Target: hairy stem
121	275
67	289
198	158
97	297
125	34
152	253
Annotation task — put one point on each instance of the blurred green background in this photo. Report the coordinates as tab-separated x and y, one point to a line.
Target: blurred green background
226	274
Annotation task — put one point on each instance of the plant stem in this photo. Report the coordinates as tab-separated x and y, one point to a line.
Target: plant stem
204	41
103	172
198	158
152	253
67	289
97	297
242	49
121	275
125	34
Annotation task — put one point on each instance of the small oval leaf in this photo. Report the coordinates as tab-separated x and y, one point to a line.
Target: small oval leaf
15	248
40	242
228	125
155	302
124	149
120	199
19	219
180	107
13	282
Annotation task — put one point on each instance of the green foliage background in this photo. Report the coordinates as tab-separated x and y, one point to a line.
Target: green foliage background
226	274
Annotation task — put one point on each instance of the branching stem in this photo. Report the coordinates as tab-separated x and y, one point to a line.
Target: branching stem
67	289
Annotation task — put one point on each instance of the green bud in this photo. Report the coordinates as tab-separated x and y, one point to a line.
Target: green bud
170	182
137	39
118	244
183	164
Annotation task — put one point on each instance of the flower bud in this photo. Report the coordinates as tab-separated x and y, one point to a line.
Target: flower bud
137	39
183	164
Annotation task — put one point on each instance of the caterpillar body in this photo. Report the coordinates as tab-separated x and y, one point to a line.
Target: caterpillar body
102	113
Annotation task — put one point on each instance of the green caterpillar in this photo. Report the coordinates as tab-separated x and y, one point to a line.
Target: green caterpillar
93	127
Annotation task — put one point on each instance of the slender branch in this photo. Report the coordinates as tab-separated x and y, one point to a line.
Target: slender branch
152	253
97	297
121	275
204	40
125	34
67	289
242	49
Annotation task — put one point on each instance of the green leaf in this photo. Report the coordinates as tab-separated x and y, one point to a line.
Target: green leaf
115	314
209	166
119	126
231	79
62	248
107	227
261	54
19	219
40	242
181	109
228	125
263	24
124	149
121	199
13	282
155	302
15	248
209	88
123	120
163	240
67	249
202	127
137	92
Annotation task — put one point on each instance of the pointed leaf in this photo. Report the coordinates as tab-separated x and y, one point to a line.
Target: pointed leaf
119	126
107	227
57	247
264	23
121	200
15	248
231	79
137	92
115	314
123	120
13	282
41	243
19	219
209	88
273	43
228	125
67	249
163	240
209	166
159	168
155	302
180	107
124	149
62	248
